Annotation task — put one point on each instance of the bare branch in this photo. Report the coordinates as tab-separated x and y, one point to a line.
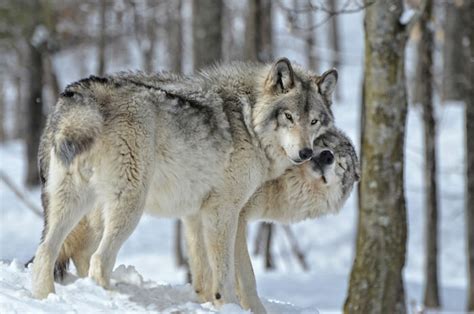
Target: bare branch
23	198
295	248
348	7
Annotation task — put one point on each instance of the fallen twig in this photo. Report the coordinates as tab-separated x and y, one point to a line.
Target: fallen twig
23	198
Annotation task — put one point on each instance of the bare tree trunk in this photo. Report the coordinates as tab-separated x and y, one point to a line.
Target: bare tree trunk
425	88
259	47
453	61
35	113
469	120
178	247
258	31
470	189
151	30
268	231
3	133
102	38
424	94
19	110
334	38
310	42
207	32
52	77
376	284
175	36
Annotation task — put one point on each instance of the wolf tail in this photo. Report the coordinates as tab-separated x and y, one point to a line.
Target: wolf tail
79	124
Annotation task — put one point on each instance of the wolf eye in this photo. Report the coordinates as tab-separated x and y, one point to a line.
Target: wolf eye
314	121
289	117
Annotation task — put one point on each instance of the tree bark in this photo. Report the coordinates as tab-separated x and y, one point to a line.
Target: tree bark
424	91
453	64
175	36
376	283
102	38
35	113
207	32
258	31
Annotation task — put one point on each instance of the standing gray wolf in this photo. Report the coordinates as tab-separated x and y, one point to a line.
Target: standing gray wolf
308	191
190	147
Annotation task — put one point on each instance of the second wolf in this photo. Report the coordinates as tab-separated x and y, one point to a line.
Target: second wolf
193	147
318	187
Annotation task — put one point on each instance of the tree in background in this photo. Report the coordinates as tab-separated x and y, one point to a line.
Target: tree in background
423	95
453	51
102	37
259	47
334	39
258	31
207	34
376	283
468	91
175	35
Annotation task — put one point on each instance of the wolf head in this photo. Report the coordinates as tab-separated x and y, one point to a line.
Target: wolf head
296	104
335	160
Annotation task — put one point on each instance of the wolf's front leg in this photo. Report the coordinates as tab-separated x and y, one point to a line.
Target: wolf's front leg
247	286
220	227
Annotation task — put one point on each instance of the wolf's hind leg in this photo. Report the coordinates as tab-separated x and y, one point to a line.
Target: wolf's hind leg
200	272
121	216
68	201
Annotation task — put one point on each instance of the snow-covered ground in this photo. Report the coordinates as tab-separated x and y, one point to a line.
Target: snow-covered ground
155	283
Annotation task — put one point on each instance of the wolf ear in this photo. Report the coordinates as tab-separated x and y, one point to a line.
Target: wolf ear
327	83
281	77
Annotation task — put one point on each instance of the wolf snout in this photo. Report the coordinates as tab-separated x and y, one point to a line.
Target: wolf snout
326	157
306	153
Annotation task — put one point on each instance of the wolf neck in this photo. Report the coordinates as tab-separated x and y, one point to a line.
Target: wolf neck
244	84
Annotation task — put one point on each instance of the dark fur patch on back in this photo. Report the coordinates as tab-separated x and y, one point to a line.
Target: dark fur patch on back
69	149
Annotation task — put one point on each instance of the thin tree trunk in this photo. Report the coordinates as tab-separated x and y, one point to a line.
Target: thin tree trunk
3	133
424	91
269	264
52	77
207	32
310	42
470	190
19	110
334	39
175	36
453	61
35	113
258	31
178	247
469	120
151	30
376	283
102	37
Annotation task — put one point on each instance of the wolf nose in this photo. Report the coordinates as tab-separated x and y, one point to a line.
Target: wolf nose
306	153
326	157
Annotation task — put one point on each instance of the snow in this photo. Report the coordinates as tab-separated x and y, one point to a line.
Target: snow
146	277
